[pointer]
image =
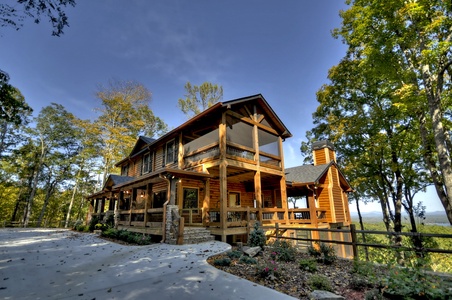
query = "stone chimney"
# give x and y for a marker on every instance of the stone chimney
(323, 152)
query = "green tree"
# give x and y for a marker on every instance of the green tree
(200, 98)
(52, 144)
(13, 15)
(13, 107)
(409, 44)
(376, 141)
(125, 114)
(84, 162)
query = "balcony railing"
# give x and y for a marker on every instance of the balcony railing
(233, 151)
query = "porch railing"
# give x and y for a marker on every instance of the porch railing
(240, 217)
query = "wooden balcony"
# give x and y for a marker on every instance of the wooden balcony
(233, 151)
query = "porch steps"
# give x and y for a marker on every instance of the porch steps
(195, 235)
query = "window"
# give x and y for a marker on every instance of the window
(190, 198)
(146, 166)
(234, 200)
(125, 170)
(171, 152)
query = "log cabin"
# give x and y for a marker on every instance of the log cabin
(220, 172)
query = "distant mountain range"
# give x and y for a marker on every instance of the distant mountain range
(432, 217)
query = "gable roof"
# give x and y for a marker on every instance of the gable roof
(138, 148)
(207, 114)
(114, 179)
(310, 174)
(306, 173)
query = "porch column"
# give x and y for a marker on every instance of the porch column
(282, 184)
(223, 177)
(173, 184)
(147, 200)
(116, 210)
(206, 203)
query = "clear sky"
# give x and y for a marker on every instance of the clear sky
(281, 49)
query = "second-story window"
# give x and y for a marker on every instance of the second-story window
(125, 170)
(146, 166)
(171, 152)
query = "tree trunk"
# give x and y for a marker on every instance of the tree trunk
(34, 185)
(361, 224)
(49, 192)
(431, 165)
(68, 216)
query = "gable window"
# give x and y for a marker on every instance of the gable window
(146, 165)
(190, 198)
(125, 170)
(171, 152)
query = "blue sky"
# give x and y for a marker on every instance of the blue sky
(281, 49)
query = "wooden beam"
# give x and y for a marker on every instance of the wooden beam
(252, 122)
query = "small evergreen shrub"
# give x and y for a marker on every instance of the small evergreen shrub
(248, 260)
(234, 254)
(320, 282)
(308, 265)
(222, 262)
(325, 254)
(283, 251)
(257, 236)
(110, 233)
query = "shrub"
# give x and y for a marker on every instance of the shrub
(234, 254)
(110, 233)
(324, 254)
(93, 222)
(77, 224)
(110, 222)
(359, 282)
(308, 265)
(248, 260)
(320, 282)
(223, 262)
(100, 226)
(257, 236)
(268, 269)
(374, 294)
(283, 251)
(414, 283)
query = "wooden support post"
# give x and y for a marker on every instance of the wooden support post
(354, 241)
(180, 236)
(277, 231)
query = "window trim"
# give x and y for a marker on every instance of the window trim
(174, 152)
(148, 165)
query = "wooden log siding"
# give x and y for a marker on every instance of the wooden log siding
(319, 157)
(159, 159)
(324, 203)
(337, 196)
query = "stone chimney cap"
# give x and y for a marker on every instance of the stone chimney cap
(322, 144)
